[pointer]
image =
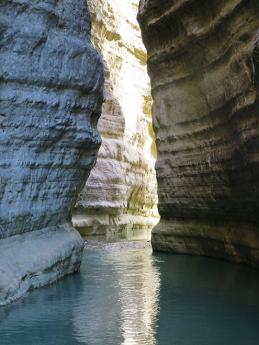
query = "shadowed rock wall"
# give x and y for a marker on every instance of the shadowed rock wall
(203, 65)
(120, 196)
(50, 98)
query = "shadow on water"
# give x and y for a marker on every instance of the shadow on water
(207, 302)
(129, 296)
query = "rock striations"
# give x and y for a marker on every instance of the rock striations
(203, 62)
(50, 99)
(120, 197)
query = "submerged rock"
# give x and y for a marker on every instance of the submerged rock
(51, 95)
(120, 195)
(203, 64)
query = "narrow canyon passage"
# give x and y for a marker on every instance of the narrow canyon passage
(129, 134)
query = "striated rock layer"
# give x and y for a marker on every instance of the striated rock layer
(120, 196)
(203, 64)
(50, 97)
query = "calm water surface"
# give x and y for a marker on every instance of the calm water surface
(129, 296)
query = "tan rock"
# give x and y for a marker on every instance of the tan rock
(203, 65)
(120, 196)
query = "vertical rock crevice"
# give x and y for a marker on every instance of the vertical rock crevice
(202, 61)
(120, 196)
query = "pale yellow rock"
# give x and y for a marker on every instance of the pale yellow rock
(120, 196)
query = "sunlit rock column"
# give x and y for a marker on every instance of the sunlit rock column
(120, 196)
(50, 98)
(203, 65)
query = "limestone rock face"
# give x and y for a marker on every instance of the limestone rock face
(50, 98)
(203, 64)
(120, 195)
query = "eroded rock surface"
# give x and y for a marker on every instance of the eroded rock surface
(51, 93)
(120, 195)
(203, 64)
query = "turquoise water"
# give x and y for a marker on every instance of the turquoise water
(129, 296)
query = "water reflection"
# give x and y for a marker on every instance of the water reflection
(127, 292)
(42, 318)
(131, 297)
(138, 286)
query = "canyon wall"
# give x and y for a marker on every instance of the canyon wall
(203, 61)
(120, 196)
(50, 99)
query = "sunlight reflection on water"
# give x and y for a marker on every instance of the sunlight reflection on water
(130, 308)
(130, 297)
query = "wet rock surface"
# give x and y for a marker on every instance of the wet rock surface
(50, 99)
(203, 64)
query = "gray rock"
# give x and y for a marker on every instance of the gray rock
(51, 93)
